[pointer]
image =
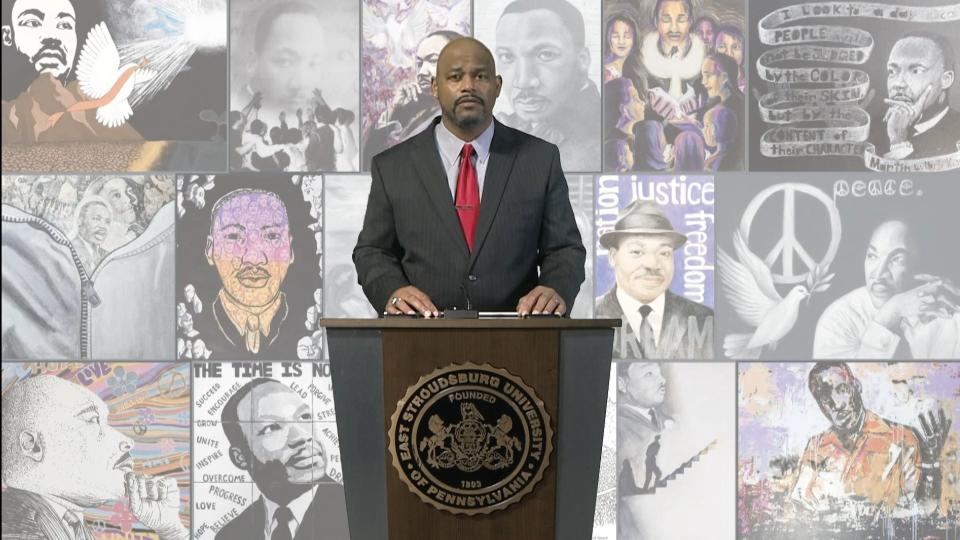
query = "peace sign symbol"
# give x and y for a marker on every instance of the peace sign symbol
(788, 245)
(172, 385)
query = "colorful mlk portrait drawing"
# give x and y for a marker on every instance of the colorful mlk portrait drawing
(855, 86)
(673, 83)
(401, 45)
(848, 450)
(87, 267)
(104, 85)
(294, 85)
(96, 450)
(654, 264)
(250, 273)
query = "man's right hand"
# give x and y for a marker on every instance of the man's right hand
(406, 93)
(919, 302)
(411, 300)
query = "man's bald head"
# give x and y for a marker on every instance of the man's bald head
(462, 44)
(51, 425)
(467, 87)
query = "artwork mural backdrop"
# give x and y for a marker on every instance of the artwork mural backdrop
(759, 186)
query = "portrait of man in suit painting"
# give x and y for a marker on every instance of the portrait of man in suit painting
(657, 322)
(273, 437)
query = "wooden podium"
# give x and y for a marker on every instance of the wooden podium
(375, 361)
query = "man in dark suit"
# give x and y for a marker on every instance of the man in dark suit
(920, 122)
(271, 434)
(657, 323)
(61, 456)
(431, 239)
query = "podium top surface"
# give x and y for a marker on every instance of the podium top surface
(426, 324)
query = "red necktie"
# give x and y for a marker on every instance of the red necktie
(468, 195)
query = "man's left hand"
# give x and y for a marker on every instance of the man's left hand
(155, 502)
(902, 115)
(541, 300)
(933, 435)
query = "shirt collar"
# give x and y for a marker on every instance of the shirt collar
(640, 410)
(872, 425)
(450, 145)
(238, 314)
(298, 507)
(632, 305)
(926, 125)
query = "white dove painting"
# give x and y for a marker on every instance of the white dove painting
(747, 283)
(108, 84)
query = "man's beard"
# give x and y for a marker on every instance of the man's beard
(467, 122)
(50, 50)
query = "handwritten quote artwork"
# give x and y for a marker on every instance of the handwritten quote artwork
(838, 87)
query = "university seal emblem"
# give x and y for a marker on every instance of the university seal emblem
(470, 439)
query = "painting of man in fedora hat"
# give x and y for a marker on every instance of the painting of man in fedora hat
(657, 323)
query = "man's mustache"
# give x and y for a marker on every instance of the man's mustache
(468, 98)
(527, 94)
(50, 48)
(902, 96)
(253, 272)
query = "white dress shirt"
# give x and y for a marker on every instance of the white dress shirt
(298, 507)
(450, 147)
(847, 330)
(631, 310)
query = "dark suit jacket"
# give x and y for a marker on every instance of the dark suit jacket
(221, 336)
(676, 340)
(939, 140)
(28, 516)
(326, 518)
(411, 233)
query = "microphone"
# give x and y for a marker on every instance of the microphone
(468, 313)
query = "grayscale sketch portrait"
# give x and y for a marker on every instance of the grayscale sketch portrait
(267, 463)
(111, 85)
(294, 85)
(855, 86)
(843, 267)
(96, 450)
(87, 267)
(548, 53)
(675, 431)
(402, 43)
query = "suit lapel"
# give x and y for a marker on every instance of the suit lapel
(434, 179)
(673, 329)
(326, 517)
(502, 155)
(259, 510)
